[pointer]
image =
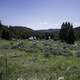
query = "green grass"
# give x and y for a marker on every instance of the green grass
(30, 63)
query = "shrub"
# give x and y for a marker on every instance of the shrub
(77, 53)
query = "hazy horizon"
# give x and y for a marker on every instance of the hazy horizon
(40, 14)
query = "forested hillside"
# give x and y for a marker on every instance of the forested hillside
(23, 32)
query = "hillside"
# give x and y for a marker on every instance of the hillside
(23, 32)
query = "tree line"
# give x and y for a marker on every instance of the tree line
(20, 32)
(65, 34)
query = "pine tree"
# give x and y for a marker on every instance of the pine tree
(62, 32)
(66, 33)
(5, 35)
(70, 35)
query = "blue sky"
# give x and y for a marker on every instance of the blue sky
(40, 14)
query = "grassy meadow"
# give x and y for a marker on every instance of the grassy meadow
(39, 60)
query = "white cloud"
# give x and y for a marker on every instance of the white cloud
(43, 23)
(76, 24)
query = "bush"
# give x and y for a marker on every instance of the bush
(77, 53)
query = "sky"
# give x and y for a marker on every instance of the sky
(40, 14)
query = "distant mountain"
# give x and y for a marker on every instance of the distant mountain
(49, 30)
(77, 28)
(77, 33)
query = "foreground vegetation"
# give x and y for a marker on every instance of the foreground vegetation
(39, 60)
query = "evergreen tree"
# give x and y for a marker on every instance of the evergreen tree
(62, 32)
(70, 35)
(5, 35)
(66, 33)
(51, 36)
(46, 36)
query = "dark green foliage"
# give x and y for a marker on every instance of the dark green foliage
(19, 32)
(5, 34)
(2, 27)
(63, 32)
(51, 36)
(4, 31)
(77, 33)
(66, 33)
(71, 37)
(15, 32)
(46, 36)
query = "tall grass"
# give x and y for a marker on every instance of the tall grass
(28, 60)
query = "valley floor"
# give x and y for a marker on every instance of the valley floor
(39, 60)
